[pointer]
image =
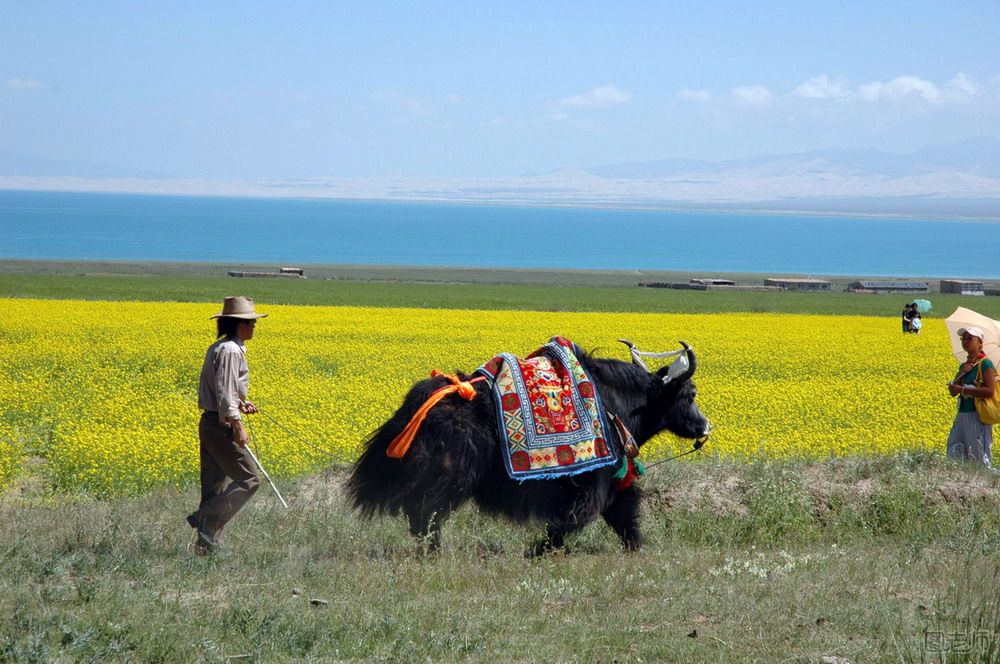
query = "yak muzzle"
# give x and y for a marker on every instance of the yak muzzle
(705, 435)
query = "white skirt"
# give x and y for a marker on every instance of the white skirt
(971, 440)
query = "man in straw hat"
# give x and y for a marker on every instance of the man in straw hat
(229, 476)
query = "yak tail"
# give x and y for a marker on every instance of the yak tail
(378, 482)
(443, 462)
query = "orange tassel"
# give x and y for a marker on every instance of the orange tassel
(400, 445)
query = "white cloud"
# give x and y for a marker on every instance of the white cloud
(752, 95)
(823, 87)
(558, 115)
(404, 103)
(607, 95)
(900, 87)
(23, 84)
(961, 89)
(694, 95)
(453, 98)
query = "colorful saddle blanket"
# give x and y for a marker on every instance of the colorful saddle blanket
(549, 414)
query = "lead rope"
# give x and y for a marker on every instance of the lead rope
(631, 448)
(698, 444)
(294, 434)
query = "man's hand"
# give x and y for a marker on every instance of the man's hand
(240, 434)
(247, 408)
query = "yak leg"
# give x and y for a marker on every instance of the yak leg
(426, 516)
(425, 525)
(555, 538)
(623, 516)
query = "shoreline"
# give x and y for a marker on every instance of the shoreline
(822, 207)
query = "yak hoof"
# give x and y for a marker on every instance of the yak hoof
(544, 547)
(429, 543)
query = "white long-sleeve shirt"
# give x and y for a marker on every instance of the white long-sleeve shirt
(225, 379)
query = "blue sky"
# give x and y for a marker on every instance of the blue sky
(302, 89)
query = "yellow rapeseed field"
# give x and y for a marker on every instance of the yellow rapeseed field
(106, 391)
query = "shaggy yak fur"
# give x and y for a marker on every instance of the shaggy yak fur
(456, 456)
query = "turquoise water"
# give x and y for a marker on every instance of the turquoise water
(72, 226)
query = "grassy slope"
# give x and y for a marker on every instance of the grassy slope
(851, 558)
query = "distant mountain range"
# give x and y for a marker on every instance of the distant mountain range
(962, 179)
(977, 156)
(12, 164)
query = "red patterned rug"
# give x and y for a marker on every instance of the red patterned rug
(549, 413)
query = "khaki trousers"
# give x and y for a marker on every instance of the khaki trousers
(228, 474)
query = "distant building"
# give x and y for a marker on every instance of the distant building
(287, 272)
(714, 282)
(708, 285)
(798, 284)
(888, 287)
(962, 287)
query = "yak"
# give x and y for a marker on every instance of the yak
(456, 455)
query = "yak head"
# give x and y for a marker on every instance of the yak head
(673, 399)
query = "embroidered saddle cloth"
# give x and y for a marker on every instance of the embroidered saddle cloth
(549, 414)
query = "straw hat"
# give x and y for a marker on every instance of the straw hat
(238, 306)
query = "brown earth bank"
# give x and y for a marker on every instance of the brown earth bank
(923, 483)
(827, 486)
(718, 487)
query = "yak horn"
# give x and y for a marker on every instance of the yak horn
(634, 352)
(692, 361)
(683, 367)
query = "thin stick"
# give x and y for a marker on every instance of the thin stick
(264, 473)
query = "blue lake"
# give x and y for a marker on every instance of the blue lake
(75, 226)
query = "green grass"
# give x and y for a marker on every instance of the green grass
(859, 559)
(442, 288)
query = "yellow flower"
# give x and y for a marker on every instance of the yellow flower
(112, 404)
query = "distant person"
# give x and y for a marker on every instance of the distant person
(915, 323)
(229, 476)
(908, 312)
(970, 439)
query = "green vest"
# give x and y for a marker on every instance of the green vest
(967, 404)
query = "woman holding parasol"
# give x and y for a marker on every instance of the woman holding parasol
(970, 439)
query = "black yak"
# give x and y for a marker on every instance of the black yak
(456, 455)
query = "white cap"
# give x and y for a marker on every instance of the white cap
(971, 331)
